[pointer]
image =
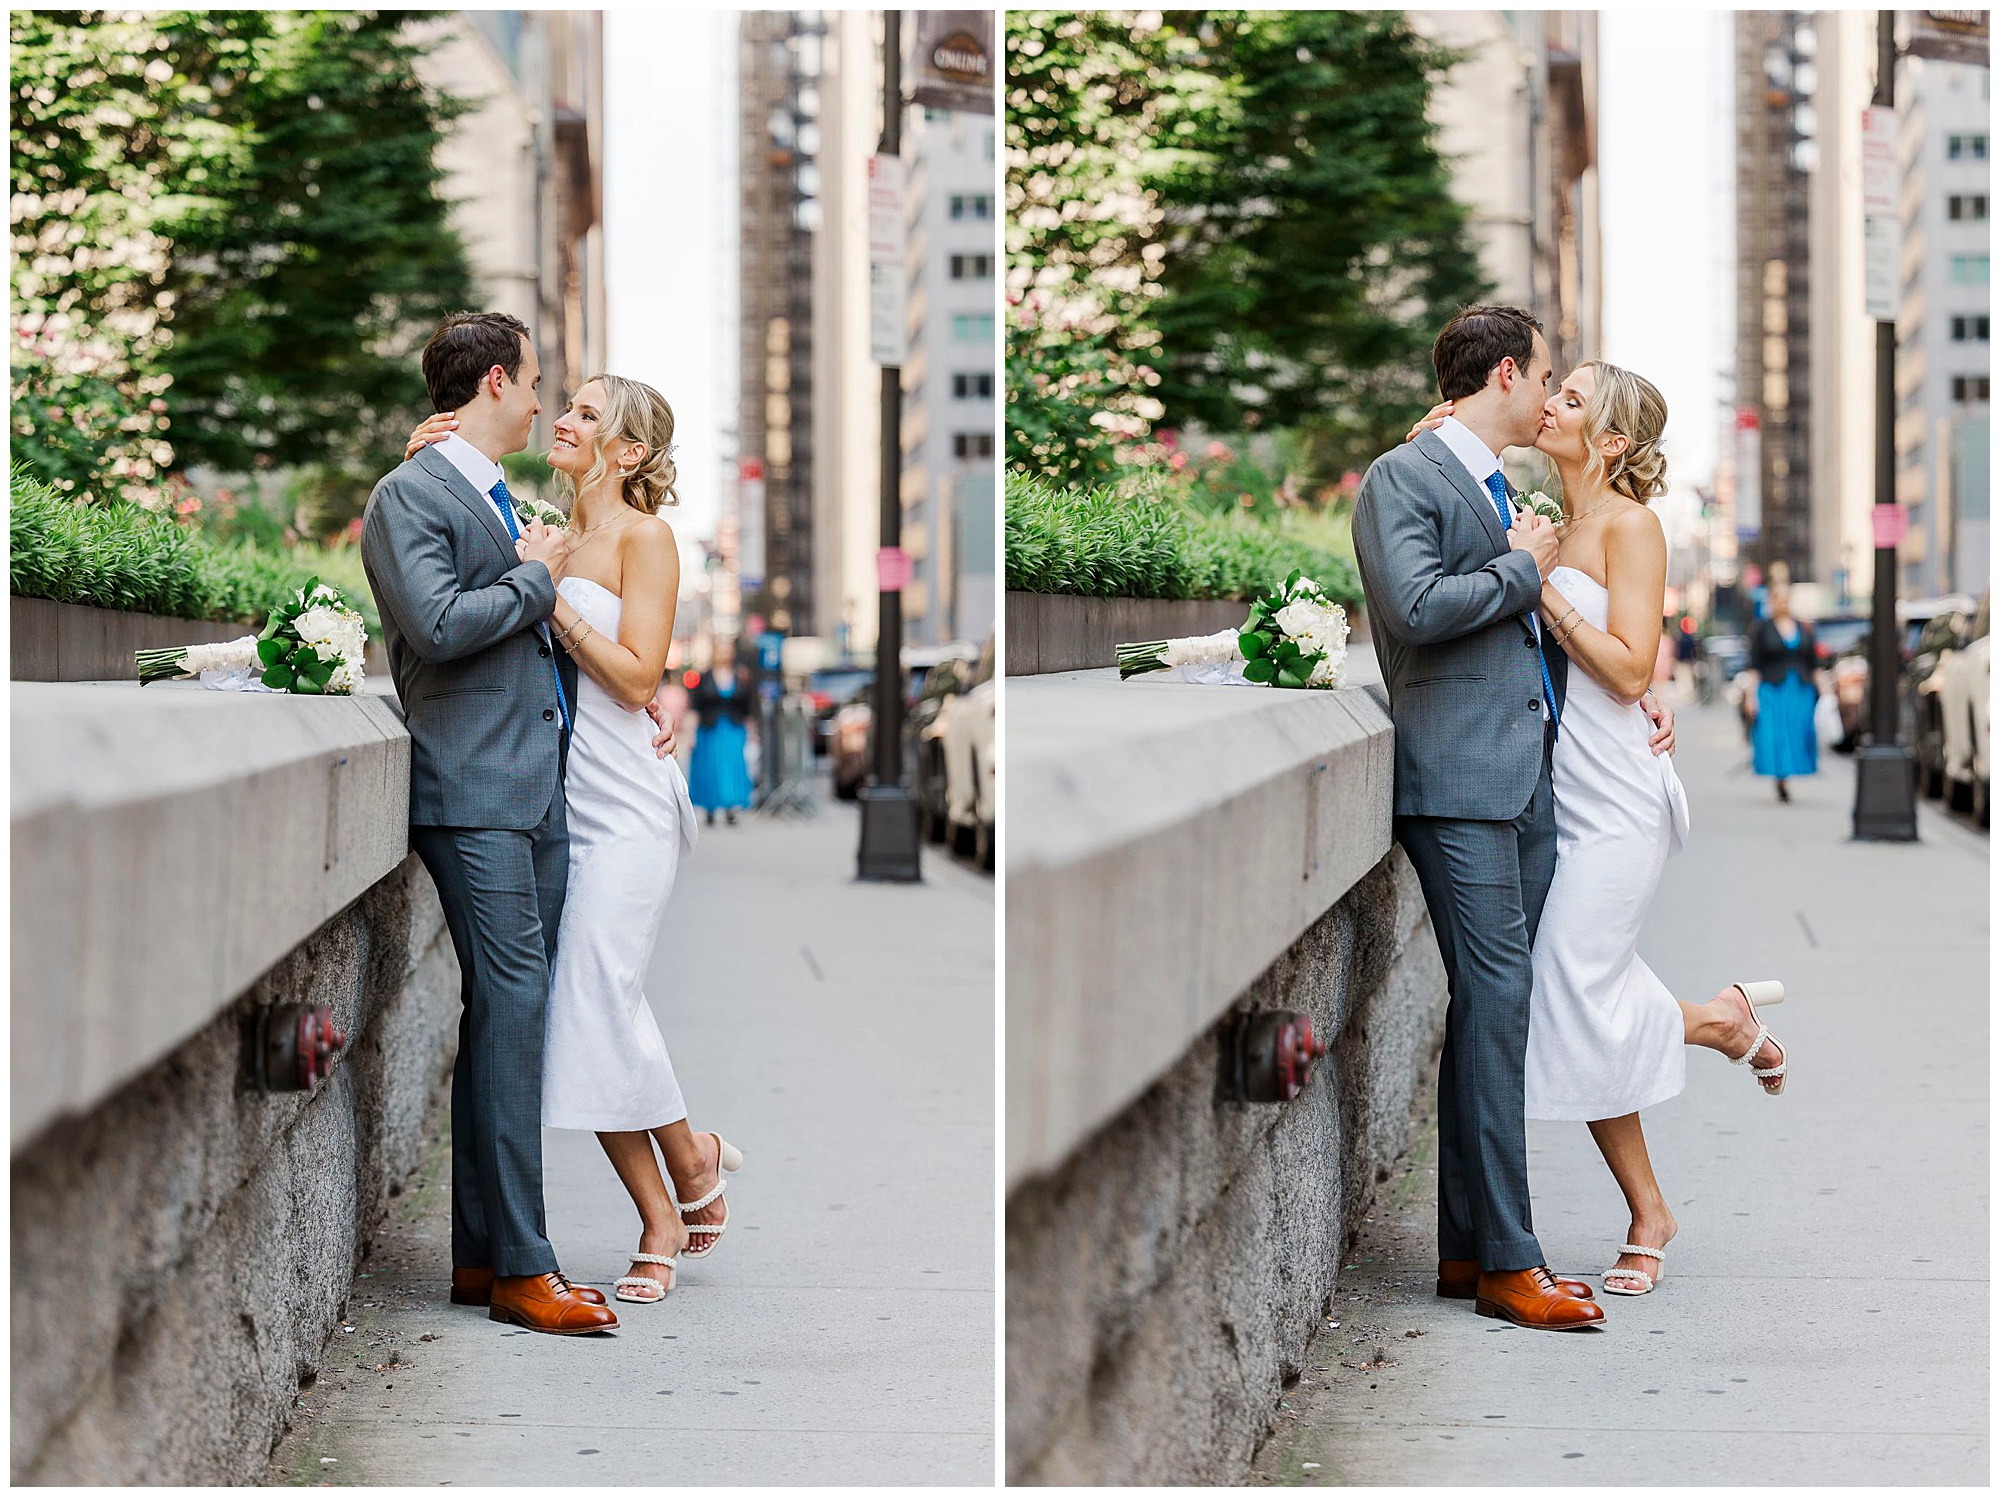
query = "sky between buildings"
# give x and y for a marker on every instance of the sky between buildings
(670, 139)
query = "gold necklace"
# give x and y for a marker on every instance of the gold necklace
(1572, 524)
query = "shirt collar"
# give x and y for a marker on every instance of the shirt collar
(480, 470)
(1476, 456)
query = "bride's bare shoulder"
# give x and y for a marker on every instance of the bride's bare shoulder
(1636, 525)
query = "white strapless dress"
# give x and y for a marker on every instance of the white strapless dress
(1604, 1034)
(605, 1067)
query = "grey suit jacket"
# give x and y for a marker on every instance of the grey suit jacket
(459, 615)
(1448, 610)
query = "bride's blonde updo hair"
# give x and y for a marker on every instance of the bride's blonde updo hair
(641, 414)
(1625, 405)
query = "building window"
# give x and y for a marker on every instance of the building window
(1965, 388)
(972, 267)
(972, 444)
(1970, 329)
(1971, 207)
(977, 327)
(1970, 270)
(975, 205)
(972, 387)
(1965, 147)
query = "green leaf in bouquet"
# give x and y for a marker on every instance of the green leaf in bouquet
(305, 685)
(272, 625)
(279, 677)
(1293, 678)
(1291, 581)
(270, 652)
(1261, 671)
(1253, 643)
(319, 672)
(1287, 652)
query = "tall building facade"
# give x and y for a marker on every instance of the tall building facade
(1944, 329)
(525, 171)
(1518, 120)
(1777, 151)
(950, 375)
(780, 58)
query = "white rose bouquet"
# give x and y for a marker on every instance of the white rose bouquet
(313, 645)
(1296, 636)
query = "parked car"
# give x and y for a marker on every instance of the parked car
(1848, 655)
(1723, 657)
(926, 737)
(929, 671)
(1923, 717)
(966, 729)
(832, 688)
(1963, 680)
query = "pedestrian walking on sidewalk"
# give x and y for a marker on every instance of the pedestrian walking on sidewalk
(1784, 660)
(631, 822)
(1606, 1038)
(719, 772)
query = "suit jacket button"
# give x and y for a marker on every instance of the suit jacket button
(548, 714)
(1530, 643)
(543, 651)
(1534, 705)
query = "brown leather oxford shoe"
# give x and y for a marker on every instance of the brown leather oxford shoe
(1458, 1278)
(474, 1286)
(546, 1302)
(1530, 1297)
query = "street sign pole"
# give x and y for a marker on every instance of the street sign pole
(891, 837)
(1885, 780)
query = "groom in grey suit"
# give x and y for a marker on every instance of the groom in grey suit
(1453, 572)
(465, 592)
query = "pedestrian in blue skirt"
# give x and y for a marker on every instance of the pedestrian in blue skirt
(1785, 657)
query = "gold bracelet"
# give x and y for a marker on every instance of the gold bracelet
(562, 635)
(574, 645)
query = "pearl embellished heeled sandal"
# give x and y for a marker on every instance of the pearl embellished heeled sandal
(1629, 1276)
(638, 1289)
(1764, 995)
(728, 1158)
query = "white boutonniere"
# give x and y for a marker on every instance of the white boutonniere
(1541, 504)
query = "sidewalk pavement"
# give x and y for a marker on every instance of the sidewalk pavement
(1823, 1315)
(841, 1035)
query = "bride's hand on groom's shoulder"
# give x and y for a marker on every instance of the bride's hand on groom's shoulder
(1432, 421)
(435, 429)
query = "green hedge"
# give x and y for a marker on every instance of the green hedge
(121, 556)
(1097, 543)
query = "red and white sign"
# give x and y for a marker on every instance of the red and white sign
(1892, 523)
(893, 569)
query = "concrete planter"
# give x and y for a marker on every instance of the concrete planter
(73, 642)
(1055, 632)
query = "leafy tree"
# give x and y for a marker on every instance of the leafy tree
(1226, 219)
(226, 224)
(1312, 243)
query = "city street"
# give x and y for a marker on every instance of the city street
(1824, 1311)
(840, 1034)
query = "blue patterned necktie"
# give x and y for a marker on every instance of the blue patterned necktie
(505, 501)
(1496, 485)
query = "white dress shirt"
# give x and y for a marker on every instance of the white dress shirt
(482, 472)
(1482, 463)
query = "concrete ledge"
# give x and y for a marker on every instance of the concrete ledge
(1049, 632)
(1165, 844)
(73, 642)
(170, 845)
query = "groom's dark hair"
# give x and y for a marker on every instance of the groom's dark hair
(464, 347)
(1475, 341)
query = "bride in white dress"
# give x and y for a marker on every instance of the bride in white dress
(1605, 1036)
(605, 1067)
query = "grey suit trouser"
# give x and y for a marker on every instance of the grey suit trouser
(1486, 883)
(502, 893)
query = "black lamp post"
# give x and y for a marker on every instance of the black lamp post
(1885, 779)
(891, 837)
